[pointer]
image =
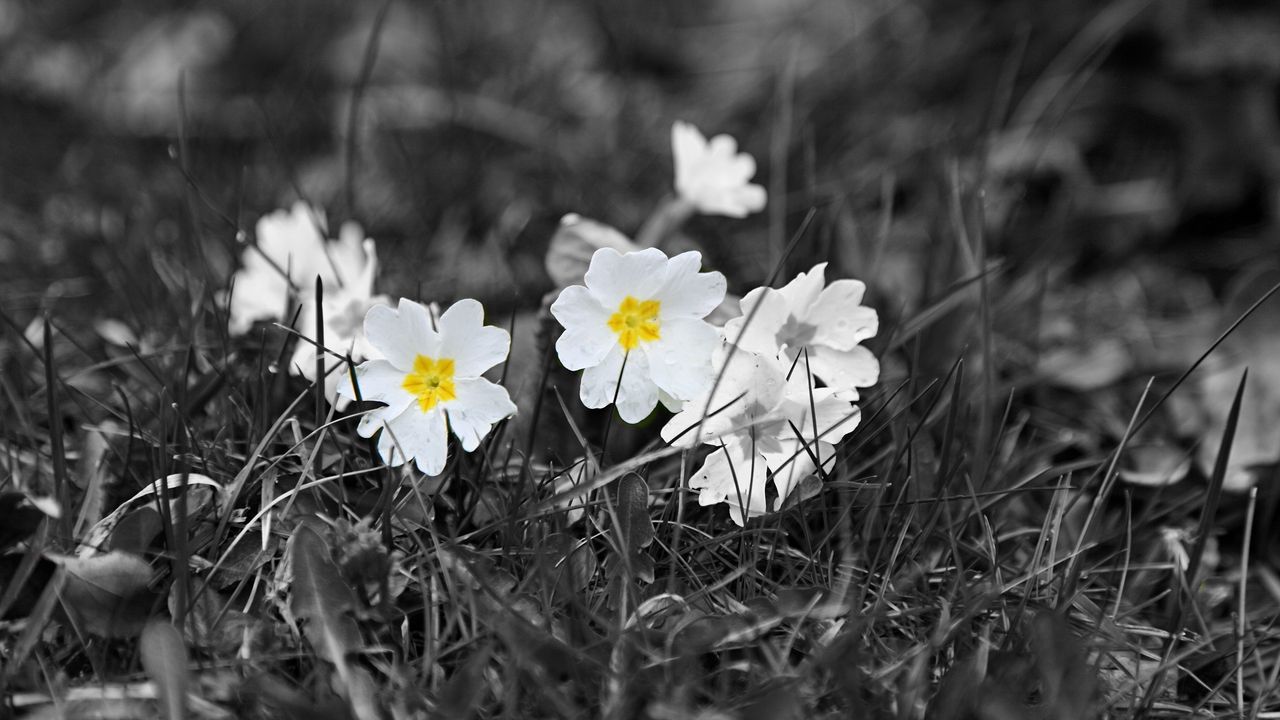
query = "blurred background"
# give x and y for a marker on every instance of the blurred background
(1118, 160)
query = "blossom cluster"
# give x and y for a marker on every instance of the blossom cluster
(771, 390)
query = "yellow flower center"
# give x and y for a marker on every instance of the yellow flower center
(635, 322)
(431, 381)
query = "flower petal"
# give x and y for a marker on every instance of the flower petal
(749, 388)
(804, 289)
(417, 435)
(764, 313)
(402, 334)
(688, 149)
(841, 320)
(586, 338)
(736, 475)
(794, 462)
(613, 276)
(635, 399)
(844, 369)
(474, 346)
(479, 406)
(685, 292)
(680, 359)
(379, 381)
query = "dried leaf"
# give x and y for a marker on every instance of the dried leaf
(573, 244)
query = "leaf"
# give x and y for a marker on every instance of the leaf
(107, 595)
(462, 694)
(164, 657)
(635, 527)
(321, 597)
(1154, 465)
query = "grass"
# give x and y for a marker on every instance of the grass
(975, 553)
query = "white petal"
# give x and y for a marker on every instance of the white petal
(735, 475)
(685, 292)
(479, 406)
(257, 293)
(402, 334)
(794, 462)
(750, 387)
(840, 320)
(680, 359)
(473, 346)
(804, 289)
(294, 242)
(765, 312)
(638, 395)
(417, 435)
(688, 149)
(380, 381)
(844, 369)
(586, 338)
(613, 276)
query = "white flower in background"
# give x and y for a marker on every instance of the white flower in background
(291, 253)
(764, 426)
(430, 381)
(828, 321)
(713, 176)
(345, 307)
(643, 312)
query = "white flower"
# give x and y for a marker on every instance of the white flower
(430, 381)
(639, 318)
(713, 176)
(345, 307)
(829, 322)
(763, 423)
(290, 252)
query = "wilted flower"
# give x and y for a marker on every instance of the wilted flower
(639, 320)
(768, 426)
(713, 176)
(828, 322)
(430, 381)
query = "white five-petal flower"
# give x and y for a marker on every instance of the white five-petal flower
(826, 323)
(713, 176)
(430, 379)
(636, 329)
(768, 426)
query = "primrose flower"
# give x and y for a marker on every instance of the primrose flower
(291, 251)
(345, 307)
(636, 329)
(713, 176)
(827, 321)
(430, 380)
(768, 426)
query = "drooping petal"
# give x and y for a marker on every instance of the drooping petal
(844, 369)
(417, 435)
(680, 359)
(686, 292)
(479, 406)
(840, 320)
(764, 314)
(638, 395)
(474, 346)
(736, 475)
(613, 276)
(586, 338)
